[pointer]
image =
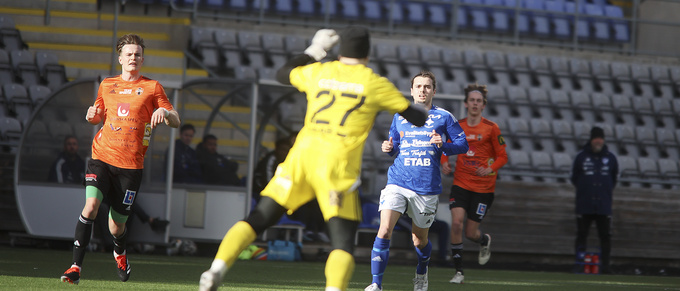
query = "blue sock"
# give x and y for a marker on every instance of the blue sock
(423, 258)
(379, 256)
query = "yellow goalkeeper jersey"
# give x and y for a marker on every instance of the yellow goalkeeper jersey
(342, 102)
(325, 161)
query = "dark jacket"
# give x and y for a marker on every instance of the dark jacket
(217, 169)
(594, 175)
(68, 169)
(186, 168)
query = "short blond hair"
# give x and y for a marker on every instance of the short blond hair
(129, 39)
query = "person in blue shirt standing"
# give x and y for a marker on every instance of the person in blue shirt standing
(414, 180)
(594, 175)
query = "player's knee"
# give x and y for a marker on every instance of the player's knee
(266, 213)
(385, 233)
(457, 226)
(342, 233)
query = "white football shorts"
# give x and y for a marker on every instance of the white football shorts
(421, 208)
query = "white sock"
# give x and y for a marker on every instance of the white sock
(219, 266)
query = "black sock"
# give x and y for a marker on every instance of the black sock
(457, 255)
(484, 240)
(120, 242)
(81, 239)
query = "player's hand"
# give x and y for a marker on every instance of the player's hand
(323, 40)
(436, 138)
(92, 111)
(158, 117)
(483, 171)
(387, 145)
(446, 168)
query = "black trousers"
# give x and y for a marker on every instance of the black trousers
(603, 224)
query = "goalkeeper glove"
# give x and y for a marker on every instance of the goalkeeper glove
(323, 40)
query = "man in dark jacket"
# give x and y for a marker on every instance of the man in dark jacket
(69, 167)
(594, 175)
(216, 168)
(186, 167)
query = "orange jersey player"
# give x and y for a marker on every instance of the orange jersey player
(129, 106)
(474, 180)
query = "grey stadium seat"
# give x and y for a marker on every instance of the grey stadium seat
(518, 162)
(560, 67)
(6, 70)
(227, 42)
(51, 71)
(540, 101)
(203, 43)
(251, 46)
(623, 107)
(562, 105)
(664, 114)
(640, 74)
(646, 140)
(644, 111)
(38, 93)
(582, 108)
(660, 74)
(601, 71)
(602, 105)
(10, 129)
(275, 49)
(621, 75)
(520, 69)
(541, 162)
(24, 66)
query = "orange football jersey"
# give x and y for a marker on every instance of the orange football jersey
(487, 148)
(126, 130)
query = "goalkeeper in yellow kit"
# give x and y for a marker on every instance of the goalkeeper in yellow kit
(343, 98)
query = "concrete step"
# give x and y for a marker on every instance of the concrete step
(84, 36)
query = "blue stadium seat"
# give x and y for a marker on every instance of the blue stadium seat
(415, 12)
(620, 25)
(261, 5)
(560, 22)
(395, 11)
(499, 16)
(284, 7)
(438, 14)
(582, 29)
(521, 20)
(329, 7)
(540, 20)
(372, 10)
(239, 5)
(306, 7)
(600, 25)
(479, 20)
(350, 9)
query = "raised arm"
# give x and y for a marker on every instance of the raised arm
(323, 40)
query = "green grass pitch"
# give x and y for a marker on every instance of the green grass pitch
(39, 269)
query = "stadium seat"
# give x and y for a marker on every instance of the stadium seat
(519, 101)
(519, 68)
(51, 71)
(307, 7)
(620, 24)
(408, 55)
(648, 168)
(582, 107)
(10, 36)
(545, 140)
(561, 105)
(479, 19)
(500, 20)
(453, 60)
(251, 46)
(24, 66)
(621, 75)
(627, 167)
(580, 71)
(438, 15)
(6, 70)
(203, 43)
(599, 25)
(668, 170)
(415, 12)
(602, 105)
(387, 57)
(541, 162)
(350, 9)
(582, 27)
(245, 73)
(560, 69)
(328, 7)
(623, 108)
(541, 106)
(582, 131)
(283, 7)
(660, 75)
(564, 135)
(227, 42)
(562, 163)
(499, 70)
(518, 163)
(275, 49)
(646, 141)
(294, 44)
(261, 5)
(10, 129)
(540, 69)
(519, 18)
(239, 5)
(539, 19)
(372, 10)
(395, 11)
(38, 94)
(521, 134)
(664, 114)
(474, 63)
(642, 80)
(645, 114)
(600, 70)
(559, 21)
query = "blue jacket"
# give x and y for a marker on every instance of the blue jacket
(416, 166)
(594, 176)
